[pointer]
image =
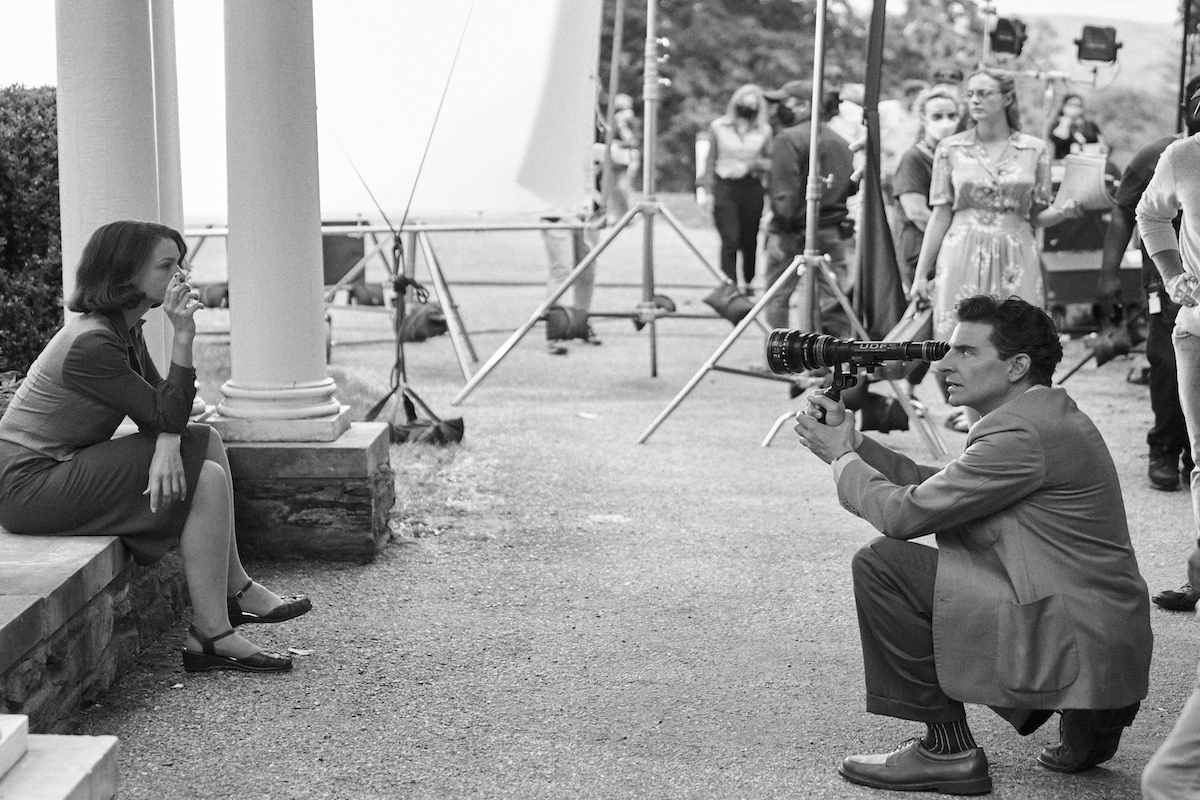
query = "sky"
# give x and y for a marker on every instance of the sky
(381, 68)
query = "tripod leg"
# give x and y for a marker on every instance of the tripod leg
(720, 276)
(458, 334)
(411, 395)
(796, 264)
(775, 428)
(937, 448)
(540, 312)
(827, 273)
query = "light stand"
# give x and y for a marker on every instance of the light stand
(809, 265)
(648, 310)
(812, 266)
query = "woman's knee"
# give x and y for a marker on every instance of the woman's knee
(211, 483)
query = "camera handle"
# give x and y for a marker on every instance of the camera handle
(841, 381)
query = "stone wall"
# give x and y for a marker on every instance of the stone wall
(345, 520)
(69, 670)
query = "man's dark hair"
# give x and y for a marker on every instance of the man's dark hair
(1017, 327)
(110, 263)
(1191, 106)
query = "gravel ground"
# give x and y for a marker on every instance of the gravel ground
(565, 613)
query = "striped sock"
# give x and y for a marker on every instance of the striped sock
(946, 738)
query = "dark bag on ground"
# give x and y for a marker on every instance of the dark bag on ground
(727, 301)
(566, 322)
(421, 321)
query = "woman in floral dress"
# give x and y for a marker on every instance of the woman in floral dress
(990, 190)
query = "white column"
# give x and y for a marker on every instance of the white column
(158, 330)
(107, 168)
(279, 389)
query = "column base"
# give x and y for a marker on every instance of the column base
(314, 500)
(315, 429)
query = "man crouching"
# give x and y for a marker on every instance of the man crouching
(1032, 601)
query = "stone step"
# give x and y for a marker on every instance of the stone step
(64, 768)
(14, 736)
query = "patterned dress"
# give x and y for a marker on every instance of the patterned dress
(990, 246)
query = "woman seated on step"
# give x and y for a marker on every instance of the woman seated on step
(62, 473)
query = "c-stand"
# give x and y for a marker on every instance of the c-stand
(649, 310)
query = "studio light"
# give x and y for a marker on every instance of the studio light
(1008, 36)
(1098, 44)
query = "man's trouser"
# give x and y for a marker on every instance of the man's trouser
(782, 248)
(565, 248)
(1169, 432)
(893, 590)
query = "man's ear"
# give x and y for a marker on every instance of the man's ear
(1019, 369)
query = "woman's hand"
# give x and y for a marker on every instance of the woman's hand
(180, 304)
(1071, 209)
(920, 288)
(167, 482)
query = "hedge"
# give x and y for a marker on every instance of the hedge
(30, 239)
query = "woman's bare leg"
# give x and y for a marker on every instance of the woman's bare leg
(205, 549)
(257, 599)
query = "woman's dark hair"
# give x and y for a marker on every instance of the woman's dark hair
(110, 262)
(1017, 327)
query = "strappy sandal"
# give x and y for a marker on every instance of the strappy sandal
(290, 608)
(261, 661)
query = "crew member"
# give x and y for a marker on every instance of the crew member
(789, 210)
(1032, 601)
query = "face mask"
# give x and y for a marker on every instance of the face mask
(940, 128)
(746, 112)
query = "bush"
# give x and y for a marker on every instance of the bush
(30, 310)
(30, 241)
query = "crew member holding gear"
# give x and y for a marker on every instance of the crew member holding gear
(1032, 601)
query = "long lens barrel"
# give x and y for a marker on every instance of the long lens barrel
(792, 351)
(898, 351)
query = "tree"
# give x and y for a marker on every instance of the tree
(30, 242)
(718, 45)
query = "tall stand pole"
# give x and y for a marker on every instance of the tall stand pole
(1183, 63)
(809, 312)
(650, 96)
(614, 84)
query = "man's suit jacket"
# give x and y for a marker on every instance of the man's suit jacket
(1038, 601)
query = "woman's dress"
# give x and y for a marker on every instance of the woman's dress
(62, 473)
(990, 246)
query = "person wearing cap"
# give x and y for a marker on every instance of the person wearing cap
(789, 208)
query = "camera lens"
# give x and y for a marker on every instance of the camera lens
(790, 352)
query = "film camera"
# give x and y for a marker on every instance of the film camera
(790, 352)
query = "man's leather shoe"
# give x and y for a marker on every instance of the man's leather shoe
(1163, 470)
(1087, 738)
(912, 768)
(1182, 599)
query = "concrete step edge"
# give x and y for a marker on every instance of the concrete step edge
(64, 768)
(14, 740)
